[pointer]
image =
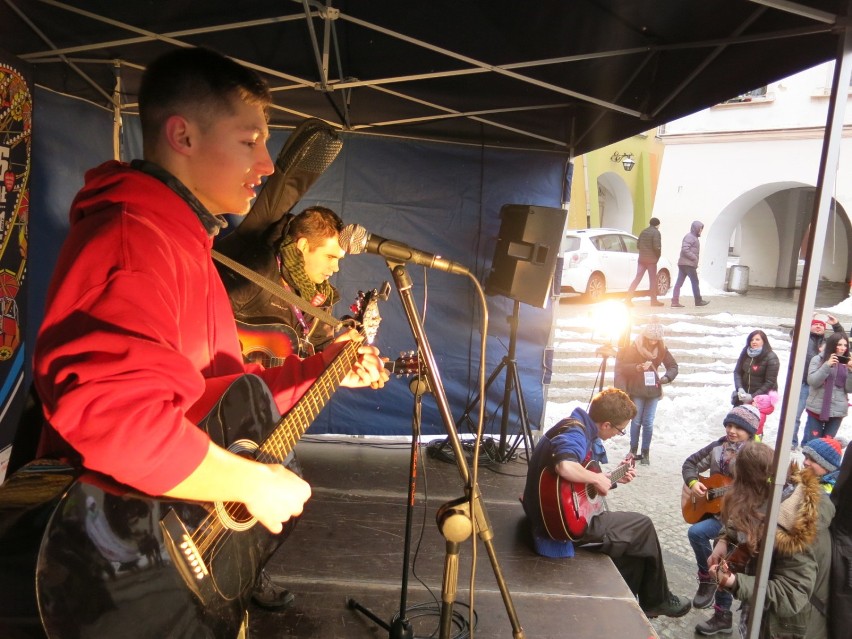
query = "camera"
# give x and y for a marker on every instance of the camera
(843, 359)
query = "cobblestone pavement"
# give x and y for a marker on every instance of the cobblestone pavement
(656, 490)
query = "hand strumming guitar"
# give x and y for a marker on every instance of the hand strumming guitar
(698, 489)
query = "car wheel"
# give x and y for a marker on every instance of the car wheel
(596, 288)
(664, 282)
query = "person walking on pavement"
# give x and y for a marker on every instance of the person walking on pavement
(636, 373)
(650, 247)
(687, 265)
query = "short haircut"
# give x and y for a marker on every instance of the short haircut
(197, 82)
(612, 405)
(316, 224)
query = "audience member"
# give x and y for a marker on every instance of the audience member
(636, 371)
(830, 382)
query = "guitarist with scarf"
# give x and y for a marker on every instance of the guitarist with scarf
(301, 254)
(630, 539)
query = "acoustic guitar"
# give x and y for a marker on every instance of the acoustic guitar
(84, 557)
(269, 344)
(697, 508)
(567, 507)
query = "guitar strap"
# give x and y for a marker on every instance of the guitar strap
(278, 290)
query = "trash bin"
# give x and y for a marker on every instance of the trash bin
(738, 279)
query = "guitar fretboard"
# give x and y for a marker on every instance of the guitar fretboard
(298, 419)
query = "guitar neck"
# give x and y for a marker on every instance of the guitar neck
(298, 419)
(620, 472)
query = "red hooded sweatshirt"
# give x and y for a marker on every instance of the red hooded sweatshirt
(137, 325)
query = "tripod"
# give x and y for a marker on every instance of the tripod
(512, 383)
(480, 524)
(604, 352)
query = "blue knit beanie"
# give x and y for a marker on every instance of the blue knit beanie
(825, 451)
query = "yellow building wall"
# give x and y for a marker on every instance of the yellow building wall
(641, 181)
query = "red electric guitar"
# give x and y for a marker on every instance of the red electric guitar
(568, 507)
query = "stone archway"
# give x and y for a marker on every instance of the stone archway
(765, 227)
(615, 202)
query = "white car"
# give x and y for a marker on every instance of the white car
(599, 261)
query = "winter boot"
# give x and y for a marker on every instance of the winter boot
(633, 451)
(706, 591)
(721, 621)
(646, 457)
(672, 606)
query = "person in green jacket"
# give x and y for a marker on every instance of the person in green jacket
(797, 589)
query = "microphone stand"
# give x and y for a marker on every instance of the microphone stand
(482, 526)
(400, 626)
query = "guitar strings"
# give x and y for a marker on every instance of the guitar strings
(211, 529)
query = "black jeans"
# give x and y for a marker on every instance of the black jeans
(630, 540)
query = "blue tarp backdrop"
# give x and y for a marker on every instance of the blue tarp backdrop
(440, 198)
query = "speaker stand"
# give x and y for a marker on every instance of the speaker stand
(512, 386)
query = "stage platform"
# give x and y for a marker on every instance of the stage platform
(350, 544)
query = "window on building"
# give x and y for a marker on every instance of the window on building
(749, 96)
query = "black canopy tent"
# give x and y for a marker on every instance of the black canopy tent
(554, 79)
(551, 75)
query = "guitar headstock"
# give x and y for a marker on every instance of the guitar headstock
(366, 310)
(404, 365)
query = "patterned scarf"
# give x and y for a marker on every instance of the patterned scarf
(293, 260)
(727, 457)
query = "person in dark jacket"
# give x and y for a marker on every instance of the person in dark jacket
(797, 588)
(687, 265)
(650, 248)
(636, 371)
(816, 340)
(719, 458)
(831, 382)
(302, 256)
(756, 371)
(840, 591)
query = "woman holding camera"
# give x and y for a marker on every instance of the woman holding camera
(829, 380)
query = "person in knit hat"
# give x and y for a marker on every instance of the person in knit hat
(718, 457)
(823, 457)
(766, 405)
(636, 373)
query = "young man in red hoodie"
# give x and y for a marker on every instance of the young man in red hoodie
(138, 324)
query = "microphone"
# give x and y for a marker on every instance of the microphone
(355, 239)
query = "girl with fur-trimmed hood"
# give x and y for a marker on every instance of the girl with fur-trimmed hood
(797, 589)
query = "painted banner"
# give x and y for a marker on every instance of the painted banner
(16, 117)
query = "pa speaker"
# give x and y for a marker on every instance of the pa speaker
(526, 252)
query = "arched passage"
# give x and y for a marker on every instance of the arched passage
(765, 228)
(615, 202)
